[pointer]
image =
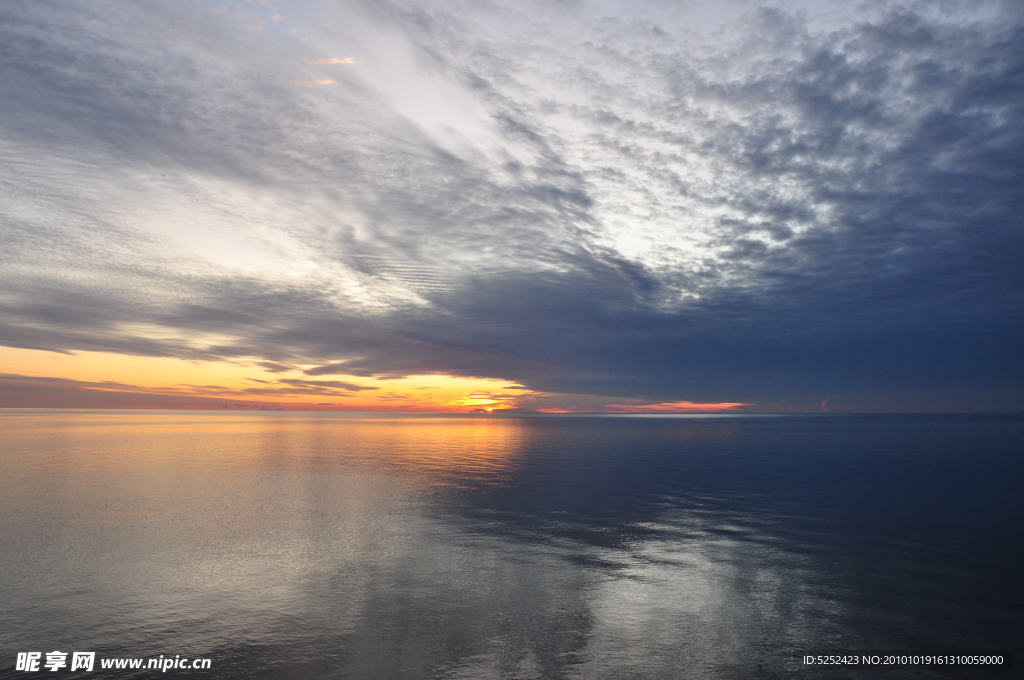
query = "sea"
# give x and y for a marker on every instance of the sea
(378, 546)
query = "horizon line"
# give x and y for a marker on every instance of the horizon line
(503, 413)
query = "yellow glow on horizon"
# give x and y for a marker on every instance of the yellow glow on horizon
(168, 382)
(484, 402)
(130, 369)
(246, 382)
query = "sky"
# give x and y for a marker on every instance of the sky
(556, 206)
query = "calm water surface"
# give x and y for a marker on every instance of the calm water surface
(307, 546)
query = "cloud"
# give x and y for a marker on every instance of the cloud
(675, 407)
(333, 60)
(19, 391)
(335, 384)
(622, 202)
(330, 369)
(274, 367)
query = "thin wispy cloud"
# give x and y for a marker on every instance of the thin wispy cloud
(333, 60)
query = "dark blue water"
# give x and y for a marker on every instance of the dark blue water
(302, 546)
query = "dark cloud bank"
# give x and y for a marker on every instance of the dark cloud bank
(836, 210)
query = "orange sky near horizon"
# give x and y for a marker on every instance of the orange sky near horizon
(44, 379)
